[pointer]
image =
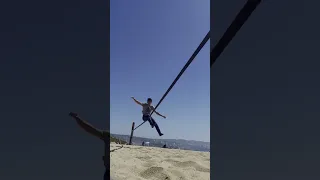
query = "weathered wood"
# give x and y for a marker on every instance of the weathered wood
(132, 129)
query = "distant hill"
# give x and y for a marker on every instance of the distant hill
(171, 143)
(117, 140)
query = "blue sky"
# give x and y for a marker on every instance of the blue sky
(150, 42)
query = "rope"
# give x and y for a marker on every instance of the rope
(232, 30)
(203, 42)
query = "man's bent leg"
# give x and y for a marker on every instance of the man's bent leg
(156, 125)
(148, 118)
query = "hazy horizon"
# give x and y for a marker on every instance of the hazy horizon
(160, 138)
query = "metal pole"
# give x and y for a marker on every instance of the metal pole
(132, 129)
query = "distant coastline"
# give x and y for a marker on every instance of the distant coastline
(170, 143)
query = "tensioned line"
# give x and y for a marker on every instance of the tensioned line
(203, 42)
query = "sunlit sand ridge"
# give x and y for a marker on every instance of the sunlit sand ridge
(140, 162)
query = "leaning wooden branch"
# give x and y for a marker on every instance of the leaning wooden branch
(90, 128)
(103, 135)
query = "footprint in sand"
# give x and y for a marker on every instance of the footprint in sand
(155, 172)
(179, 175)
(144, 151)
(137, 148)
(149, 164)
(186, 164)
(144, 158)
(178, 156)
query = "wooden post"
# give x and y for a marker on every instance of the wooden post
(130, 141)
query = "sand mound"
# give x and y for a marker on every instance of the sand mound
(140, 163)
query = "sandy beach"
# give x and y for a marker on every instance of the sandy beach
(140, 163)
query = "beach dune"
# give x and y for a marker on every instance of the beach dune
(140, 163)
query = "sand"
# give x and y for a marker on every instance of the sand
(140, 163)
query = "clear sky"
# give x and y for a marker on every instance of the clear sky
(150, 42)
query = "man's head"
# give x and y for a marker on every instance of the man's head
(149, 101)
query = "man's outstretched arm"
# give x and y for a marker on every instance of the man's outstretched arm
(87, 127)
(136, 101)
(159, 114)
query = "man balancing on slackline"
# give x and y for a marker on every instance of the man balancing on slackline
(146, 113)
